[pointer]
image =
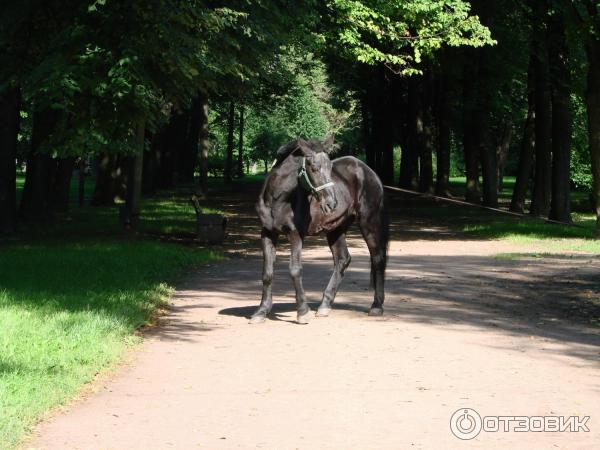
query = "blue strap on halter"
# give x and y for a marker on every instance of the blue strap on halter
(304, 178)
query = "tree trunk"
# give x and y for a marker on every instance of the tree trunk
(110, 180)
(409, 162)
(502, 149)
(181, 148)
(10, 105)
(470, 136)
(174, 138)
(560, 205)
(35, 202)
(134, 181)
(230, 143)
(202, 187)
(152, 158)
(368, 133)
(443, 142)
(195, 118)
(426, 130)
(61, 184)
(240, 155)
(540, 203)
(81, 182)
(384, 137)
(517, 203)
(593, 111)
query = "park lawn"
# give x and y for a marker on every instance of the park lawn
(532, 231)
(72, 295)
(551, 237)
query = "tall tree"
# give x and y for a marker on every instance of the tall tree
(562, 118)
(10, 102)
(240, 155)
(527, 145)
(230, 143)
(540, 202)
(442, 116)
(203, 148)
(471, 131)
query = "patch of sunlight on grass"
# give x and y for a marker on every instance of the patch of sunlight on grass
(68, 310)
(551, 237)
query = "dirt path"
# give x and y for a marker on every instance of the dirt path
(462, 328)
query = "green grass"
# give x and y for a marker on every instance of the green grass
(552, 237)
(528, 231)
(67, 310)
(72, 294)
(169, 212)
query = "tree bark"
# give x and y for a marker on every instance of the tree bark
(502, 149)
(367, 122)
(240, 155)
(35, 202)
(560, 205)
(470, 138)
(540, 203)
(193, 134)
(230, 143)
(202, 187)
(174, 139)
(517, 203)
(426, 129)
(61, 184)
(409, 160)
(593, 112)
(110, 180)
(134, 180)
(181, 148)
(384, 132)
(81, 182)
(443, 133)
(152, 158)
(10, 105)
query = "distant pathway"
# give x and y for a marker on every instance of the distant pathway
(462, 328)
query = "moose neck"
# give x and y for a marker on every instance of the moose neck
(285, 179)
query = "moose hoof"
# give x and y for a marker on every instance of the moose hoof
(323, 312)
(303, 318)
(258, 318)
(376, 312)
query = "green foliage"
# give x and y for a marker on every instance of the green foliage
(400, 33)
(581, 173)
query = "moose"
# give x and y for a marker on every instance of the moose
(306, 193)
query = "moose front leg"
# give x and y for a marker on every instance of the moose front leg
(341, 261)
(269, 241)
(296, 274)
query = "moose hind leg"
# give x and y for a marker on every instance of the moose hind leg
(341, 261)
(377, 271)
(269, 241)
(295, 239)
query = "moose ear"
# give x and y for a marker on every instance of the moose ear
(303, 148)
(329, 143)
(299, 147)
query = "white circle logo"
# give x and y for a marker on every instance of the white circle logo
(465, 423)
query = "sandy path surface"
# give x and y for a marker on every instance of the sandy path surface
(462, 328)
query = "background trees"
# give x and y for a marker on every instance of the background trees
(158, 93)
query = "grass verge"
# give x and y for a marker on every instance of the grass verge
(69, 310)
(72, 293)
(551, 237)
